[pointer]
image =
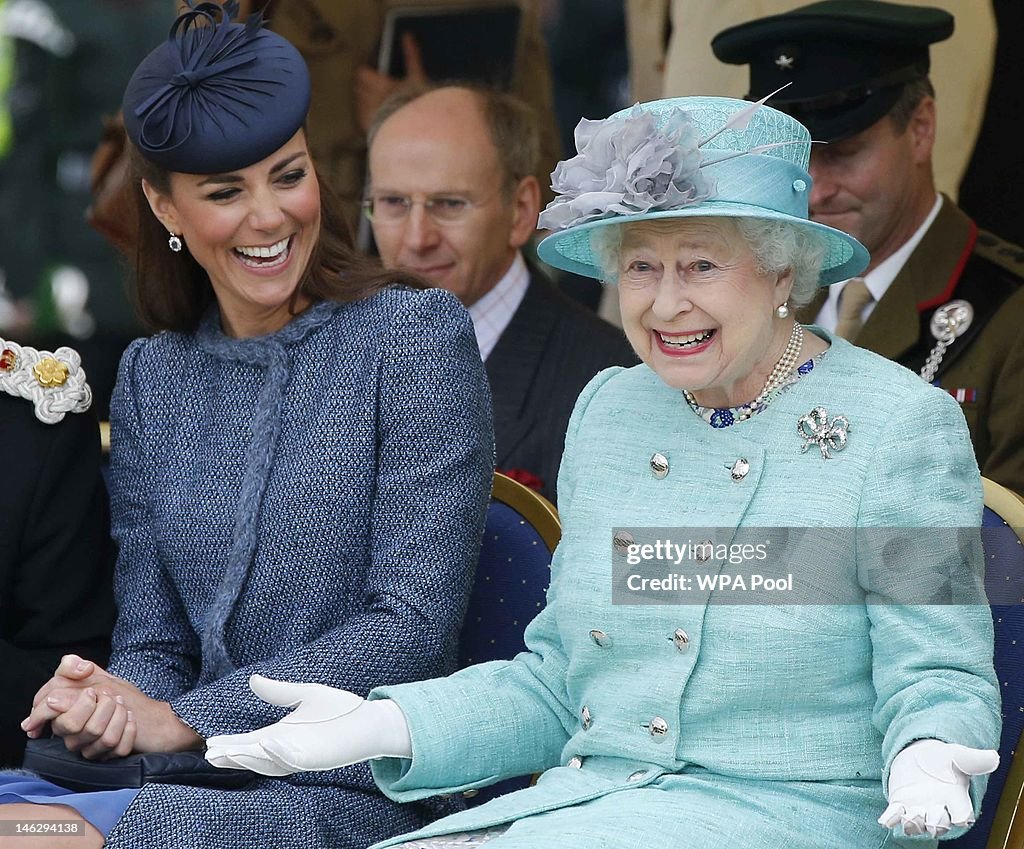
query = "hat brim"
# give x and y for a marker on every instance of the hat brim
(848, 119)
(570, 250)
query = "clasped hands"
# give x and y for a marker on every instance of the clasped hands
(102, 716)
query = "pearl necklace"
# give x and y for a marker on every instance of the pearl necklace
(724, 416)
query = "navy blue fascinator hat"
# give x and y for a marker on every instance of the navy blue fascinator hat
(217, 95)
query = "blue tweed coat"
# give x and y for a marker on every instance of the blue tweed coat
(780, 720)
(307, 505)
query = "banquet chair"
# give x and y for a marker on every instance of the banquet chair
(512, 574)
(1001, 823)
(512, 577)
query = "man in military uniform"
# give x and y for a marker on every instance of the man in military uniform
(56, 583)
(941, 296)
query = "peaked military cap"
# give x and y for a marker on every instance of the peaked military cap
(847, 61)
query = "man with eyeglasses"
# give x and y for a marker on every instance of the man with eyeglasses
(453, 198)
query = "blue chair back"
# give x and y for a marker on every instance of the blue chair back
(512, 575)
(1002, 524)
(512, 578)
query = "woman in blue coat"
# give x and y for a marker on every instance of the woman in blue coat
(301, 461)
(668, 697)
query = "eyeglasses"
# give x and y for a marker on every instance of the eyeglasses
(443, 209)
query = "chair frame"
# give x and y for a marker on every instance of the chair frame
(535, 510)
(531, 505)
(1008, 824)
(1008, 504)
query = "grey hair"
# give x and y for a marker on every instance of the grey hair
(606, 242)
(776, 245)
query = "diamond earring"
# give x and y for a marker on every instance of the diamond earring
(782, 310)
(174, 243)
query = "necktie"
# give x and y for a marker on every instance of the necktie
(852, 300)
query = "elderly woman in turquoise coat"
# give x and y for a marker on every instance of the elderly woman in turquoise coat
(865, 714)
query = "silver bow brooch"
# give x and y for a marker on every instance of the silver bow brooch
(817, 429)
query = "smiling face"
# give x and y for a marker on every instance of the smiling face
(696, 309)
(253, 232)
(439, 148)
(877, 185)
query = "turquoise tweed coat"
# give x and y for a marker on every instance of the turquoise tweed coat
(780, 721)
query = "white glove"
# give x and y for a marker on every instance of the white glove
(328, 729)
(929, 785)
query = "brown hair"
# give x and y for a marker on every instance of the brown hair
(512, 123)
(171, 291)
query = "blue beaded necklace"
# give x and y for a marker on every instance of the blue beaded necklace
(719, 417)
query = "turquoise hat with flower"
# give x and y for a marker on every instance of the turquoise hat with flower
(686, 157)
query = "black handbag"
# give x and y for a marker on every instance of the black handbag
(50, 759)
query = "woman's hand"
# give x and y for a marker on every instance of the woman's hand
(328, 729)
(90, 708)
(72, 676)
(73, 673)
(929, 786)
(99, 726)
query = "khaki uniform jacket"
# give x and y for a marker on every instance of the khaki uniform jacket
(984, 368)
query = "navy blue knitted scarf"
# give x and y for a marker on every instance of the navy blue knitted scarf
(270, 353)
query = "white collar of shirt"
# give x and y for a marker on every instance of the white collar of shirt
(880, 278)
(493, 312)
